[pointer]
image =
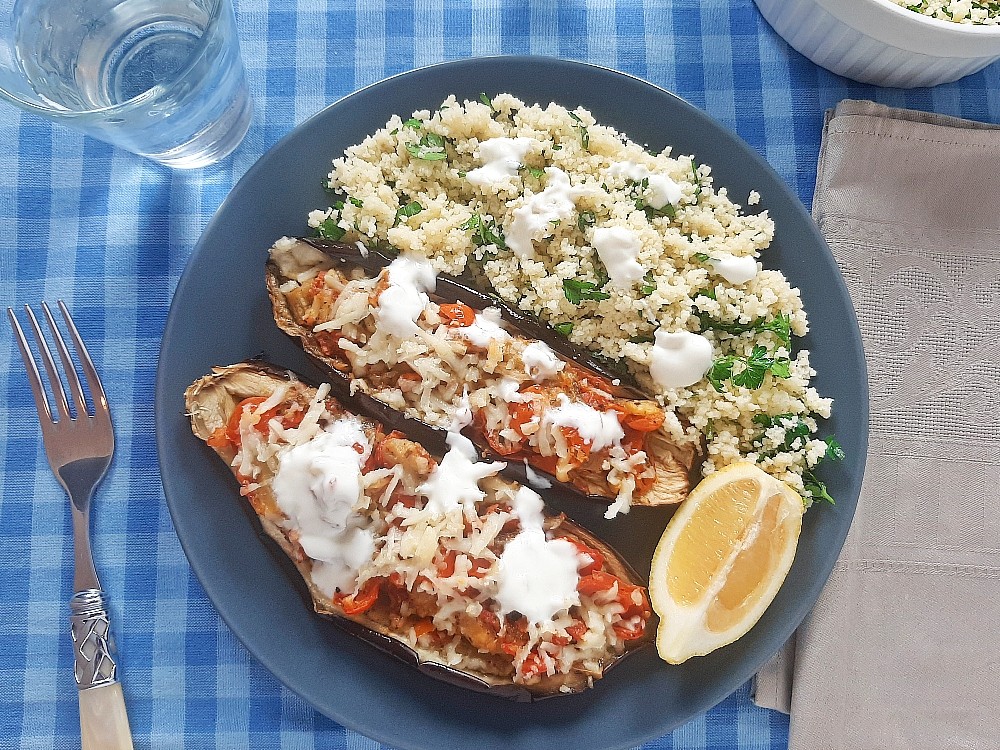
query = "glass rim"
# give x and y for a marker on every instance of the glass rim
(216, 9)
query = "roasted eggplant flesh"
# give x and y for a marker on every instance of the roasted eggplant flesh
(435, 559)
(535, 400)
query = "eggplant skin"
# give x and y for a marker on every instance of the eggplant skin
(211, 400)
(678, 467)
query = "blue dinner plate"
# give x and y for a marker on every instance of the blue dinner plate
(220, 314)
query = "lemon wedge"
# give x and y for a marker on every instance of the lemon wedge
(722, 559)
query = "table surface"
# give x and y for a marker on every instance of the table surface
(110, 234)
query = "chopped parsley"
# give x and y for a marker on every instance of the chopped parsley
(649, 284)
(703, 257)
(696, 179)
(751, 372)
(413, 123)
(330, 230)
(780, 325)
(410, 209)
(564, 328)
(484, 232)
(586, 219)
(584, 133)
(428, 148)
(646, 339)
(535, 172)
(577, 291)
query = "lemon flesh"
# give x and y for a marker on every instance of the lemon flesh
(722, 559)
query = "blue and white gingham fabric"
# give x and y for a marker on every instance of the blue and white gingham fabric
(110, 233)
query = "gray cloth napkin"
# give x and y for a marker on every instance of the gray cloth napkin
(903, 647)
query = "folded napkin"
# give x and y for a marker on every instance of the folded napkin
(903, 647)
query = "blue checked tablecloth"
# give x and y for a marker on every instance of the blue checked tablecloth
(110, 233)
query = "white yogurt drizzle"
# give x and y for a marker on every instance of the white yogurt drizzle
(454, 483)
(484, 329)
(600, 429)
(679, 358)
(536, 576)
(535, 479)
(661, 191)
(402, 302)
(533, 220)
(317, 486)
(540, 362)
(618, 248)
(501, 158)
(734, 269)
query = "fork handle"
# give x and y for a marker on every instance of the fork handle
(103, 720)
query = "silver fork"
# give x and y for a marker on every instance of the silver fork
(79, 448)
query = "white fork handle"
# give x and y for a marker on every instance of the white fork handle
(103, 721)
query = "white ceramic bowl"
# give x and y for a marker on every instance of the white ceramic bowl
(877, 41)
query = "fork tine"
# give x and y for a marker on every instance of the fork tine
(89, 371)
(34, 377)
(69, 369)
(58, 393)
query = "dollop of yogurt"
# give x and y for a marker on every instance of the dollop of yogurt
(540, 362)
(679, 358)
(661, 191)
(599, 428)
(402, 302)
(536, 576)
(618, 248)
(734, 269)
(533, 220)
(454, 483)
(317, 486)
(484, 329)
(501, 158)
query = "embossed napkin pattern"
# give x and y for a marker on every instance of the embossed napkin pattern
(903, 648)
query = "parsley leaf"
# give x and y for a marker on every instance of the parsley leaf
(413, 123)
(484, 232)
(564, 328)
(577, 291)
(584, 133)
(535, 172)
(330, 230)
(780, 326)
(649, 285)
(703, 257)
(410, 209)
(696, 179)
(586, 219)
(428, 148)
(815, 488)
(754, 368)
(720, 371)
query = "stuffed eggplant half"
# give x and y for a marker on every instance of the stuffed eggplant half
(393, 332)
(438, 560)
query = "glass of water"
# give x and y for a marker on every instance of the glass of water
(160, 78)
